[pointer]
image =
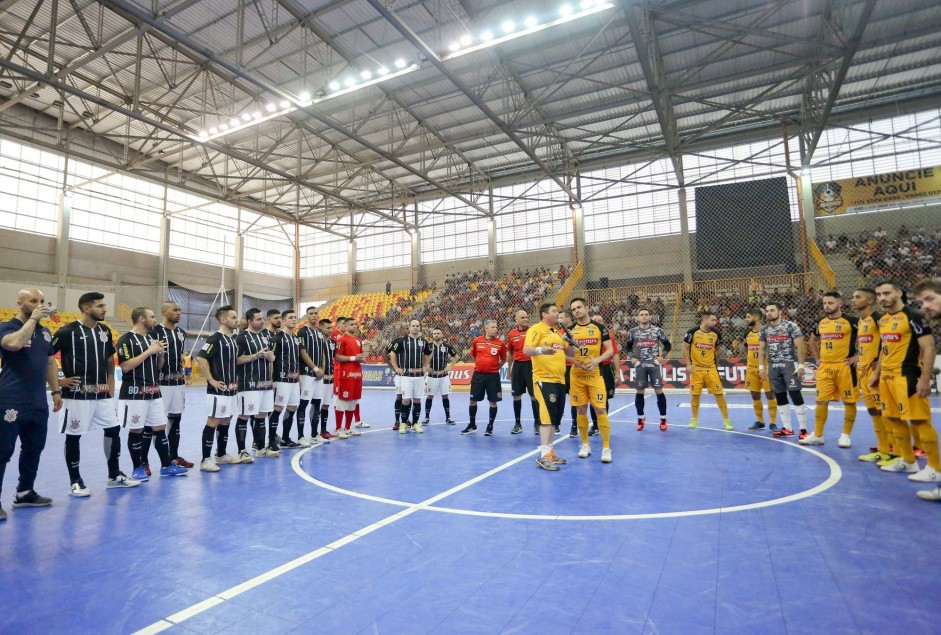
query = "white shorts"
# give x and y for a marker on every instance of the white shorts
(412, 387)
(135, 414)
(398, 385)
(267, 401)
(174, 399)
(220, 406)
(248, 403)
(343, 405)
(438, 386)
(306, 383)
(81, 415)
(287, 394)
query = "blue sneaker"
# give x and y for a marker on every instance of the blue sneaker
(773, 427)
(140, 474)
(757, 426)
(173, 470)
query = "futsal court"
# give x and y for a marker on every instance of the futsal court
(687, 531)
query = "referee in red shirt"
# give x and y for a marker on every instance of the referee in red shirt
(489, 353)
(520, 370)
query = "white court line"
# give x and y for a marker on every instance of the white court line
(228, 594)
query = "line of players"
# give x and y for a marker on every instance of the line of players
(264, 374)
(422, 368)
(887, 358)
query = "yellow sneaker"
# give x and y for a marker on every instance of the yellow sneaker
(728, 425)
(873, 457)
(694, 423)
(887, 459)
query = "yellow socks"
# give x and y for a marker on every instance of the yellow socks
(772, 410)
(582, 420)
(929, 442)
(604, 427)
(820, 417)
(694, 405)
(916, 436)
(883, 436)
(759, 410)
(849, 418)
(903, 439)
(723, 407)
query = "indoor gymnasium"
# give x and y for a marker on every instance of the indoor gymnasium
(464, 316)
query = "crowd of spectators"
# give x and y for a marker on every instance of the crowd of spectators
(906, 254)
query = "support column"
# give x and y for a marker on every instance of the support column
(239, 270)
(491, 236)
(578, 224)
(163, 256)
(416, 257)
(351, 254)
(687, 253)
(62, 239)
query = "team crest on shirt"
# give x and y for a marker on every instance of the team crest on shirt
(103, 337)
(135, 418)
(179, 335)
(47, 336)
(10, 415)
(552, 398)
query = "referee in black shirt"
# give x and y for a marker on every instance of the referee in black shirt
(407, 356)
(28, 365)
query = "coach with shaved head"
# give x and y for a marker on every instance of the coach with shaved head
(28, 365)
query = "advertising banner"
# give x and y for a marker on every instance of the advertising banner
(832, 198)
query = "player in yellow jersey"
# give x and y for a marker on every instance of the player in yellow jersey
(928, 294)
(834, 345)
(700, 352)
(903, 374)
(867, 348)
(547, 348)
(593, 346)
(754, 382)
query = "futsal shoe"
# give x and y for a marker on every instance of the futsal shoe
(584, 451)
(245, 457)
(225, 459)
(811, 439)
(470, 429)
(450, 421)
(304, 441)
(395, 426)
(773, 429)
(326, 436)
(353, 432)
(899, 465)
(557, 431)
(426, 420)
(535, 429)
(757, 426)
(489, 431)
(122, 480)
(787, 432)
(640, 423)
(728, 425)
(554, 458)
(546, 464)
(694, 423)
(663, 424)
(140, 474)
(803, 434)
(79, 490)
(930, 494)
(873, 457)
(208, 465)
(593, 431)
(173, 470)
(30, 498)
(516, 429)
(183, 462)
(322, 440)
(361, 424)
(417, 429)
(343, 434)
(606, 455)
(288, 443)
(927, 475)
(147, 470)
(919, 453)
(573, 433)
(403, 429)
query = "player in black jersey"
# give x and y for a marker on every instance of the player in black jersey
(87, 351)
(439, 360)
(140, 403)
(323, 358)
(172, 381)
(254, 380)
(287, 360)
(407, 356)
(217, 362)
(311, 379)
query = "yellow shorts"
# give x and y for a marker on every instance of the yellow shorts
(870, 395)
(588, 389)
(900, 401)
(754, 382)
(707, 378)
(837, 382)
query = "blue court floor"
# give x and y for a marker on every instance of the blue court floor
(686, 532)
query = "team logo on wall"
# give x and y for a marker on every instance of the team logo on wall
(827, 198)
(10, 415)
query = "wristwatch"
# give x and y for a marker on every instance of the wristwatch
(56, 392)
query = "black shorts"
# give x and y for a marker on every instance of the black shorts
(648, 374)
(607, 373)
(568, 378)
(521, 380)
(551, 400)
(486, 384)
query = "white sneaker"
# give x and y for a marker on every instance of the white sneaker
(245, 457)
(811, 439)
(226, 459)
(360, 424)
(261, 452)
(926, 475)
(122, 480)
(606, 455)
(844, 441)
(306, 442)
(342, 434)
(899, 465)
(353, 432)
(585, 451)
(930, 494)
(79, 490)
(321, 440)
(208, 465)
